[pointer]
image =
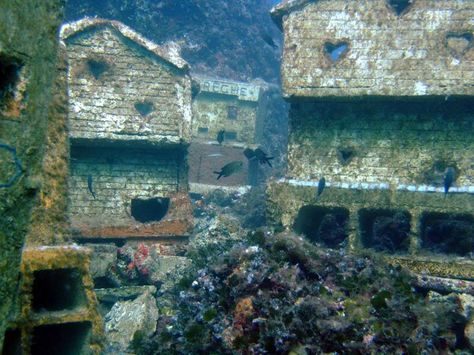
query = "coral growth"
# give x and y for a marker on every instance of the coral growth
(450, 235)
(132, 262)
(280, 294)
(390, 233)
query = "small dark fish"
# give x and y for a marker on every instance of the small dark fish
(220, 136)
(321, 186)
(229, 169)
(89, 185)
(268, 40)
(249, 153)
(448, 179)
(262, 157)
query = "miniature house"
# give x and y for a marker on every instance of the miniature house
(238, 109)
(130, 122)
(382, 104)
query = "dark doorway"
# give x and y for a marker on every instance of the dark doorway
(150, 210)
(322, 225)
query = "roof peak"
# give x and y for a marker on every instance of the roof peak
(168, 52)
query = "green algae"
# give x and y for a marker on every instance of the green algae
(33, 41)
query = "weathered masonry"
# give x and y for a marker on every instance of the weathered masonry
(47, 304)
(238, 109)
(382, 105)
(130, 123)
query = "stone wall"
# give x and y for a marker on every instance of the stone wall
(393, 144)
(119, 90)
(28, 53)
(355, 214)
(425, 50)
(381, 105)
(212, 113)
(228, 105)
(119, 175)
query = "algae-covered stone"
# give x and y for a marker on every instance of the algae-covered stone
(104, 259)
(467, 306)
(128, 320)
(29, 113)
(168, 270)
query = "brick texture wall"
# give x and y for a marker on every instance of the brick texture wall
(211, 111)
(118, 176)
(392, 142)
(427, 50)
(104, 107)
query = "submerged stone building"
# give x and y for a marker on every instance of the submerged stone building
(238, 109)
(382, 105)
(130, 124)
(48, 305)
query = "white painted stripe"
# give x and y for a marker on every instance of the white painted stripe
(378, 186)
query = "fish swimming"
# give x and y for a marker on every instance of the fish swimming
(89, 185)
(448, 179)
(262, 157)
(229, 169)
(249, 153)
(220, 136)
(268, 40)
(321, 186)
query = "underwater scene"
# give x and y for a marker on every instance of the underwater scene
(236, 177)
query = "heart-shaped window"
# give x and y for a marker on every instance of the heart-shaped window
(459, 43)
(144, 108)
(345, 155)
(97, 67)
(336, 50)
(399, 6)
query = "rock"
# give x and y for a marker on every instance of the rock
(130, 318)
(144, 262)
(467, 307)
(214, 236)
(167, 270)
(447, 305)
(103, 261)
(122, 293)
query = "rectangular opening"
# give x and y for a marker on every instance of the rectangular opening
(232, 112)
(230, 136)
(447, 233)
(385, 230)
(322, 225)
(61, 339)
(59, 289)
(9, 76)
(12, 342)
(203, 131)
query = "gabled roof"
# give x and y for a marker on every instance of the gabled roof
(285, 7)
(169, 53)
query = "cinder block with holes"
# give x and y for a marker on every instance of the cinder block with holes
(58, 307)
(427, 232)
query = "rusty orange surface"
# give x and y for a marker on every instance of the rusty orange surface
(177, 223)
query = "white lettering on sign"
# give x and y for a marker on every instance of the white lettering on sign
(243, 91)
